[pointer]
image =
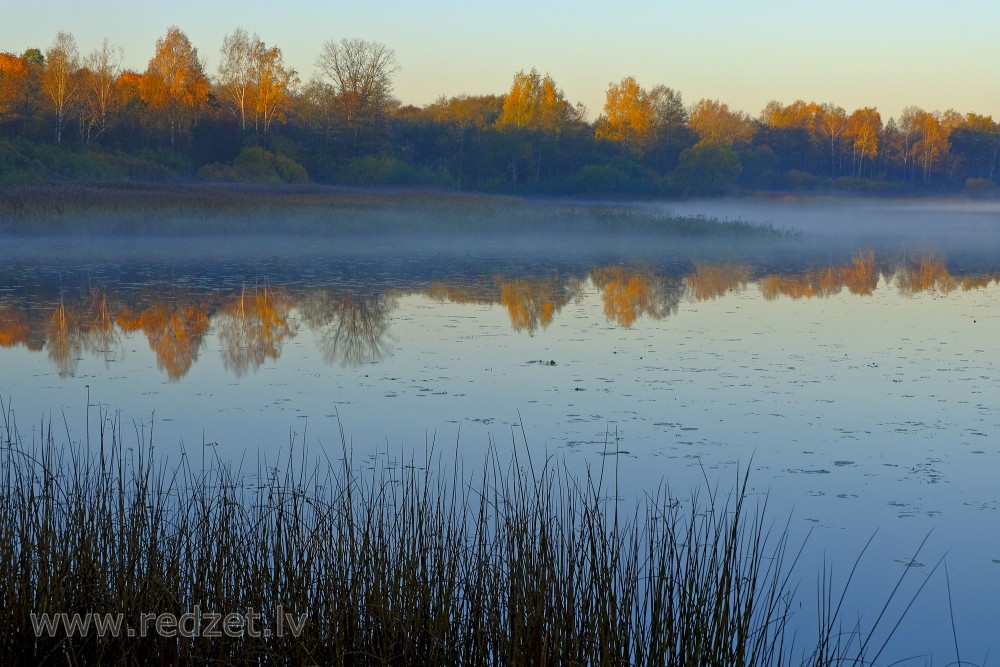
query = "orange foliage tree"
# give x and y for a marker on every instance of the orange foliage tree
(715, 123)
(174, 87)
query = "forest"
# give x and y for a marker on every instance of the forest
(68, 116)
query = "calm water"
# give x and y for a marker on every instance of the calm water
(859, 379)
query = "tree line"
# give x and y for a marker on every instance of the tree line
(63, 115)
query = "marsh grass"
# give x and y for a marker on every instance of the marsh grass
(418, 564)
(96, 208)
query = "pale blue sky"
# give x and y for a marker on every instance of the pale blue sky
(886, 53)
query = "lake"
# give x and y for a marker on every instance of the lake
(855, 369)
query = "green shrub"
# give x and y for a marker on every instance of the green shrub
(707, 169)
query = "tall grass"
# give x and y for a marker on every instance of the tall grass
(522, 563)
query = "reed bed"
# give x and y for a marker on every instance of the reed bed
(521, 563)
(195, 208)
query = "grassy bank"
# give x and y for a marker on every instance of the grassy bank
(519, 564)
(68, 207)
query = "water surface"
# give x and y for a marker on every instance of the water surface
(857, 379)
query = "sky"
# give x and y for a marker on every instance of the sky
(854, 53)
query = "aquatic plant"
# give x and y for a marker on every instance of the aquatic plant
(522, 563)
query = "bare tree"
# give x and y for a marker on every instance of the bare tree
(103, 66)
(361, 75)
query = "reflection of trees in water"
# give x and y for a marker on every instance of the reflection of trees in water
(100, 333)
(62, 335)
(532, 302)
(175, 330)
(860, 277)
(14, 327)
(253, 327)
(929, 274)
(351, 328)
(463, 292)
(631, 293)
(711, 281)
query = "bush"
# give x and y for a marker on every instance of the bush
(256, 165)
(371, 170)
(980, 187)
(707, 169)
(618, 176)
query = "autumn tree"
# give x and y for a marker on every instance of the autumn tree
(101, 70)
(535, 103)
(670, 132)
(715, 123)
(360, 75)
(14, 77)
(791, 137)
(930, 132)
(467, 119)
(174, 86)
(832, 124)
(534, 110)
(253, 81)
(628, 115)
(130, 105)
(977, 140)
(863, 129)
(59, 81)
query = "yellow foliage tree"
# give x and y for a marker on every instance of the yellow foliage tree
(628, 114)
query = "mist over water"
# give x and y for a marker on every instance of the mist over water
(906, 225)
(853, 368)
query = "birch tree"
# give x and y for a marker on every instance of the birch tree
(102, 68)
(59, 80)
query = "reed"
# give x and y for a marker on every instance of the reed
(134, 208)
(521, 563)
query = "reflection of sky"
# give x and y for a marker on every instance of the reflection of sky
(857, 412)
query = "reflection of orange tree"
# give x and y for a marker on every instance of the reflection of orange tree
(930, 273)
(351, 328)
(532, 302)
(175, 332)
(253, 327)
(713, 281)
(860, 277)
(14, 328)
(629, 294)
(462, 293)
